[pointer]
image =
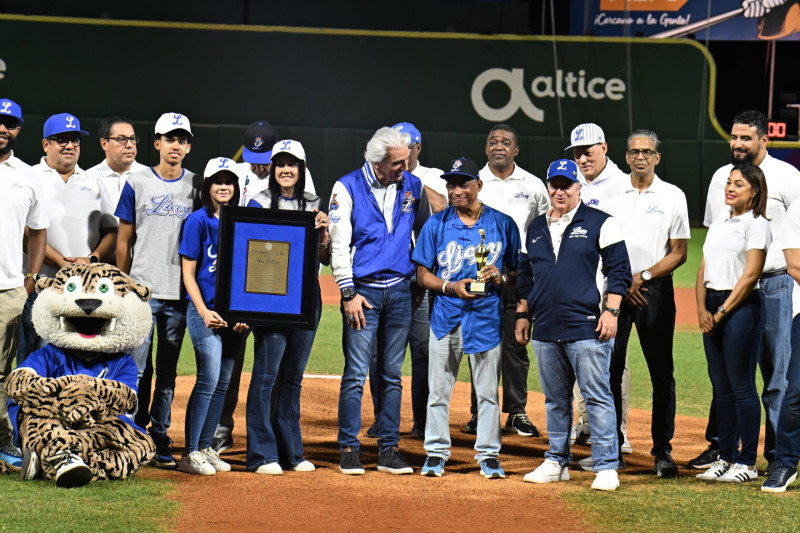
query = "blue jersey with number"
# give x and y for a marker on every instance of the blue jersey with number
(199, 242)
(447, 247)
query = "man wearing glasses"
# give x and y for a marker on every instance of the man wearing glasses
(81, 212)
(655, 223)
(23, 212)
(119, 141)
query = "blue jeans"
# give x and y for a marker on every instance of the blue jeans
(388, 323)
(280, 359)
(787, 449)
(732, 353)
(445, 358)
(169, 316)
(774, 351)
(560, 364)
(29, 340)
(215, 352)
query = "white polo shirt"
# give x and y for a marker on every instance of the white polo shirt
(250, 184)
(725, 250)
(431, 178)
(791, 240)
(77, 210)
(783, 188)
(113, 180)
(522, 196)
(605, 187)
(21, 204)
(649, 219)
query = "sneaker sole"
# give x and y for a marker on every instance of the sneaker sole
(520, 432)
(396, 471)
(77, 476)
(493, 475)
(160, 463)
(352, 471)
(197, 472)
(782, 488)
(430, 473)
(30, 466)
(551, 479)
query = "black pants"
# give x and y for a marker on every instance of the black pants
(655, 325)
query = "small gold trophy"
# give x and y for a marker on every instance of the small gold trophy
(478, 288)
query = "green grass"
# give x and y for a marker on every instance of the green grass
(687, 273)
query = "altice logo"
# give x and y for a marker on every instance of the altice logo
(562, 85)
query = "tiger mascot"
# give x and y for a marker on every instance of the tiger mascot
(70, 399)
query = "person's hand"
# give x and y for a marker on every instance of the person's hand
(354, 311)
(80, 260)
(240, 327)
(706, 320)
(607, 326)
(491, 273)
(635, 298)
(460, 289)
(212, 320)
(522, 331)
(321, 221)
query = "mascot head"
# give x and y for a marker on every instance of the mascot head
(92, 308)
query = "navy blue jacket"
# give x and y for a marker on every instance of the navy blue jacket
(562, 292)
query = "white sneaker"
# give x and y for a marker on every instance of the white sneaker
(586, 463)
(580, 434)
(196, 463)
(270, 469)
(717, 469)
(738, 473)
(304, 466)
(213, 459)
(626, 446)
(606, 480)
(547, 472)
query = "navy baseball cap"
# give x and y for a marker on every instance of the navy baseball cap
(409, 128)
(563, 167)
(463, 167)
(259, 138)
(10, 108)
(62, 123)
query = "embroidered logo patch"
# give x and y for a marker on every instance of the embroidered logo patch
(578, 233)
(408, 202)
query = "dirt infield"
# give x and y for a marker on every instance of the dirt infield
(459, 501)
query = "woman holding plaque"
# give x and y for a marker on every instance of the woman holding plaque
(281, 356)
(215, 343)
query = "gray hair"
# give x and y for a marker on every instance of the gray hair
(647, 134)
(380, 143)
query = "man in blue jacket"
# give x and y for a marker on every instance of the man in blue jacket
(372, 214)
(575, 319)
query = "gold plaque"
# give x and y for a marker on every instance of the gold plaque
(267, 267)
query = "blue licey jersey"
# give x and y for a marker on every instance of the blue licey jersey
(447, 247)
(199, 242)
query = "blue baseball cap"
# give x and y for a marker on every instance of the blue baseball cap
(409, 128)
(463, 167)
(11, 108)
(62, 123)
(563, 167)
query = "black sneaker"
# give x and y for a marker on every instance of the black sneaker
(472, 426)
(705, 459)
(163, 458)
(665, 466)
(221, 444)
(372, 432)
(350, 462)
(780, 478)
(391, 461)
(522, 425)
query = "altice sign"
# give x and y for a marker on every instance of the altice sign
(558, 84)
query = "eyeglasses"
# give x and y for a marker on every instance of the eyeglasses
(122, 140)
(10, 123)
(646, 153)
(64, 141)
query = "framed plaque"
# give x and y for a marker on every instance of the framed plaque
(267, 267)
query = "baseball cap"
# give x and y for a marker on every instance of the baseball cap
(586, 135)
(563, 167)
(172, 121)
(462, 167)
(11, 108)
(258, 140)
(409, 128)
(289, 146)
(62, 123)
(219, 164)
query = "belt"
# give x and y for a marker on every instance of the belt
(773, 273)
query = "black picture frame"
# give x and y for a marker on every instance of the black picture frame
(242, 227)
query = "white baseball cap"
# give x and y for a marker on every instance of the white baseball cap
(586, 135)
(219, 164)
(288, 146)
(172, 121)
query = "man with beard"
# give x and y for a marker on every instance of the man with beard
(749, 145)
(23, 212)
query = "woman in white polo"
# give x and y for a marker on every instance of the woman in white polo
(729, 312)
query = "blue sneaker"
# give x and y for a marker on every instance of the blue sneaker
(491, 469)
(11, 456)
(434, 466)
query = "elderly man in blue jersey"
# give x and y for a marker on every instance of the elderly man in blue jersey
(575, 320)
(372, 214)
(462, 322)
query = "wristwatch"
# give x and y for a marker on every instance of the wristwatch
(34, 277)
(614, 312)
(94, 259)
(348, 293)
(646, 275)
(503, 280)
(721, 310)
